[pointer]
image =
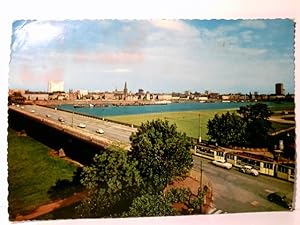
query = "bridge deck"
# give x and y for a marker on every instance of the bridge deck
(114, 133)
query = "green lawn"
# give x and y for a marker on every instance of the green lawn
(31, 172)
(187, 121)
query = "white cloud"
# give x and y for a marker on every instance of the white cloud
(36, 33)
(254, 24)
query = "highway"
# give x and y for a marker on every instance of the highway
(112, 131)
(236, 192)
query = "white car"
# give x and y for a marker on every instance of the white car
(222, 163)
(32, 111)
(61, 119)
(81, 125)
(48, 115)
(100, 131)
(249, 170)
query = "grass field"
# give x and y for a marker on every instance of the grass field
(187, 121)
(31, 172)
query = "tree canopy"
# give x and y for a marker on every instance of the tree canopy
(249, 128)
(162, 153)
(112, 181)
(227, 129)
(123, 184)
(257, 124)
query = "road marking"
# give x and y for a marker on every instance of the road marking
(269, 191)
(254, 203)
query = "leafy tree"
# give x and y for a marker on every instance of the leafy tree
(112, 181)
(227, 129)
(192, 204)
(151, 205)
(257, 124)
(162, 204)
(162, 154)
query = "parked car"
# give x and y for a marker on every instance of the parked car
(32, 111)
(249, 170)
(81, 125)
(48, 115)
(222, 163)
(61, 119)
(100, 131)
(280, 199)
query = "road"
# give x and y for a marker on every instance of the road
(235, 192)
(112, 131)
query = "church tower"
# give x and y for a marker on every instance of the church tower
(125, 91)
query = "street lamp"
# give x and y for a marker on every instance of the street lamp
(200, 139)
(72, 116)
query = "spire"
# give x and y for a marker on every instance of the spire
(125, 88)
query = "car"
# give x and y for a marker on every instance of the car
(280, 199)
(22, 107)
(61, 119)
(100, 131)
(48, 115)
(249, 170)
(81, 125)
(32, 111)
(222, 163)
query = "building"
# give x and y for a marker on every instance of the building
(55, 86)
(125, 91)
(279, 90)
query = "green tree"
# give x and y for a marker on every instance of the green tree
(151, 205)
(257, 124)
(227, 129)
(162, 153)
(162, 204)
(112, 181)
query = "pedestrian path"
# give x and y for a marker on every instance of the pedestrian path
(216, 211)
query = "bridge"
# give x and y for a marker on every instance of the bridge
(114, 133)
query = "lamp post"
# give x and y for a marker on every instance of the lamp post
(72, 117)
(200, 139)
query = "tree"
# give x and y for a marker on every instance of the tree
(257, 124)
(162, 154)
(151, 205)
(227, 129)
(162, 204)
(250, 128)
(112, 181)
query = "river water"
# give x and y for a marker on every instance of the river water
(173, 107)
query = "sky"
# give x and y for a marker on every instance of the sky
(224, 56)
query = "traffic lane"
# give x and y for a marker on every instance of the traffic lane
(238, 192)
(111, 130)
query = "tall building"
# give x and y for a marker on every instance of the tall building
(279, 90)
(125, 91)
(55, 86)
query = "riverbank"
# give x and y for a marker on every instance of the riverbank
(31, 173)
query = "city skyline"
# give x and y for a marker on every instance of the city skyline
(225, 56)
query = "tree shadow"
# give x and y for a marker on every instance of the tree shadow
(64, 188)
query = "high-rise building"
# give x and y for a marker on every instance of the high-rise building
(279, 90)
(55, 86)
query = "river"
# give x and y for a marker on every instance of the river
(172, 107)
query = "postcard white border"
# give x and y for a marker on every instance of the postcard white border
(11, 10)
